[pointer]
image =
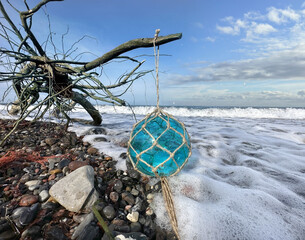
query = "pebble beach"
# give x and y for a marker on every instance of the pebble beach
(50, 178)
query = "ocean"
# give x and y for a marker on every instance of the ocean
(244, 180)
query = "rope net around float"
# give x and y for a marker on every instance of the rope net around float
(159, 146)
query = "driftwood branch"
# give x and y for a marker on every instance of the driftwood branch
(128, 46)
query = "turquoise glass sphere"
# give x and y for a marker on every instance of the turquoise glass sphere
(159, 145)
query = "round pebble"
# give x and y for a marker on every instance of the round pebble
(114, 196)
(76, 164)
(28, 200)
(133, 216)
(109, 212)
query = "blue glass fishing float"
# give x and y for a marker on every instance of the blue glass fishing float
(159, 146)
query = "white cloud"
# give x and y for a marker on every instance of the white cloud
(263, 28)
(210, 39)
(235, 28)
(282, 15)
(228, 30)
(283, 65)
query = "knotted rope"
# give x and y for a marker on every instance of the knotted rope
(167, 194)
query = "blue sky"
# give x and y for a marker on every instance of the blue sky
(233, 53)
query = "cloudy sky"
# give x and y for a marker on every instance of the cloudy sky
(233, 52)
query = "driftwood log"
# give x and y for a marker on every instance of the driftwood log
(59, 76)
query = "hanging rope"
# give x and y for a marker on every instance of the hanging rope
(157, 65)
(167, 194)
(169, 203)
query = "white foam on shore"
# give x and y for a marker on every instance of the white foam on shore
(245, 179)
(280, 113)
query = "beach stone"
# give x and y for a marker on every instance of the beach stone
(133, 216)
(51, 177)
(33, 184)
(73, 190)
(79, 218)
(126, 196)
(90, 232)
(94, 131)
(55, 171)
(118, 185)
(139, 206)
(108, 158)
(50, 141)
(109, 212)
(149, 211)
(135, 227)
(18, 211)
(72, 138)
(114, 196)
(29, 215)
(25, 178)
(55, 233)
(27, 200)
(92, 151)
(63, 163)
(131, 236)
(134, 174)
(52, 162)
(118, 222)
(150, 196)
(76, 164)
(134, 192)
(8, 235)
(122, 228)
(100, 139)
(44, 195)
(31, 232)
(79, 229)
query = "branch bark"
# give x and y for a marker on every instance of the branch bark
(125, 47)
(80, 99)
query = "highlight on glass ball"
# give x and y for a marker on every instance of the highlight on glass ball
(159, 145)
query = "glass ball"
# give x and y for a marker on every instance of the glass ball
(159, 145)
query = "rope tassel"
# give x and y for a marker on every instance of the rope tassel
(168, 197)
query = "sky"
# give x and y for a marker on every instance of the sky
(232, 53)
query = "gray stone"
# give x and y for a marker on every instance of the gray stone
(33, 184)
(8, 235)
(31, 232)
(29, 215)
(131, 236)
(87, 220)
(118, 185)
(135, 227)
(76, 189)
(134, 174)
(44, 195)
(55, 233)
(25, 178)
(52, 162)
(63, 163)
(91, 232)
(96, 130)
(109, 212)
(126, 196)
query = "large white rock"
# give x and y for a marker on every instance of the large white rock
(73, 190)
